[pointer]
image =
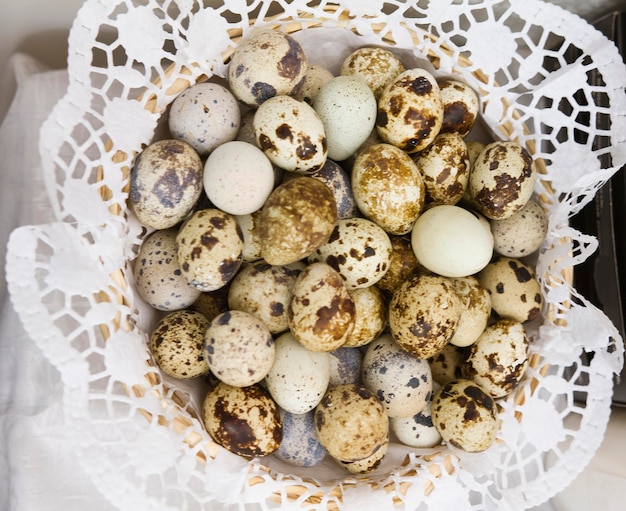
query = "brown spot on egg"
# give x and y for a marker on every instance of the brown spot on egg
(290, 65)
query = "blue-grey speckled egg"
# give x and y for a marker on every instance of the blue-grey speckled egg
(300, 445)
(345, 366)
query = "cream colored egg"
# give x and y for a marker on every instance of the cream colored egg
(476, 310)
(249, 225)
(416, 431)
(460, 107)
(377, 66)
(316, 76)
(522, 233)
(371, 316)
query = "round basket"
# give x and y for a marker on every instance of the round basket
(553, 87)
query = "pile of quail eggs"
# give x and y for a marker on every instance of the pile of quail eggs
(335, 258)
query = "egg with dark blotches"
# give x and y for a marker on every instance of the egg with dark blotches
(460, 107)
(402, 264)
(367, 464)
(401, 382)
(378, 67)
(417, 431)
(448, 363)
(300, 446)
(345, 366)
(371, 316)
(165, 183)
(316, 76)
(211, 303)
(476, 310)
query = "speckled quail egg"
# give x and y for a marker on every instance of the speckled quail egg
(205, 116)
(410, 110)
(211, 303)
(321, 312)
(448, 364)
(158, 277)
(522, 233)
(498, 360)
(514, 289)
(300, 446)
(291, 134)
(417, 431)
(345, 366)
(445, 166)
(243, 420)
(177, 344)
(315, 77)
(367, 464)
(423, 314)
(402, 264)
(239, 348)
(401, 382)
(465, 415)
(210, 245)
(452, 241)
(265, 291)
(347, 107)
(249, 225)
(165, 183)
(358, 249)
(297, 218)
(351, 423)
(377, 66)
(299, 377)
(476, 310)
(502, 179)
(388, 187)
(371, 316)
(266, 64)
(460, 107)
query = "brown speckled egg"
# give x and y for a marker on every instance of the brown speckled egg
(419, 430)
(165, 183)
(401, 382)
(367, 464)
(402, 264)
(377, 66)
(266, 64)
(297, 218)
(351, 423)
(291, 134)
(502, 179)
(476, 310)
(410, 111)
(460, 107)
(177, 344)
(249, 225)
(239, 348)
(522, 233)
(465, 415)
(448, 364)
(358, 249)
(423, 314)
(265, 291)
(158, 277)
(321, 312)
(514, 289)
(211, 303)
(445, 166)
(243, 420)
(388, 187)
(316, 76)
(371, 316)
(498, 360)
(210, 245)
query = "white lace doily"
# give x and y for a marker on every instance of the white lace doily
(547, 79)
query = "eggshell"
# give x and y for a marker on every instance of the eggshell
(239, 347)
(210, 245)
(315, 77)
(297, 218)
(460, 107)
(448, 364)
(388, 187)
(345, 366)
(300, 446)
(502, 179)
(465, 415)
(266, 64)
(402, 264)
(321, 312)
(165, 183)
(522, 233)
(514, 289)
(401, 382)
(265, 291)
(451, 241)
(238, 178)
(378, 67)
(244, 420)
(347, 107)
(371, 316)
(177, 344)
(410, 110)
(299, 377)
(291, 134)
(158, 277)
(417, 431)
(358, 249)
(351, 423)
(205, 116)
(476, 302)
(498, 360)
(423, 314)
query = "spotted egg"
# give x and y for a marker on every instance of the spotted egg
(522, 233)
(211, 303)
(371, 316)
(402, 264)
(417, 431)
(165, 183)
(300, 446)
(476, 310)
(401, 382)
(378, 67)
(266, 64)
(410, 110)
(460, 107)
(316, 76)
(244, 420)
(209, 249)
(367, 464)
(345, 366)
(448, 364)
(249, 225)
